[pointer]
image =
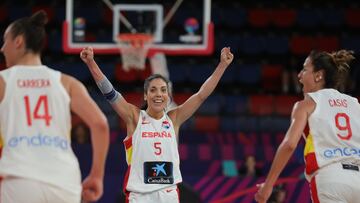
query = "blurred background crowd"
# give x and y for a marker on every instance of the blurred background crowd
(228, 145)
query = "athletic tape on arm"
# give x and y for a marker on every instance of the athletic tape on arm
(108, 90)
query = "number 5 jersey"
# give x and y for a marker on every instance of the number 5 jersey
(152, 155)
(35, 126)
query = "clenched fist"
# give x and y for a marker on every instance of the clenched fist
(87, 55)
(226, 56)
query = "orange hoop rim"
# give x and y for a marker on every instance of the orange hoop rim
(135, 37)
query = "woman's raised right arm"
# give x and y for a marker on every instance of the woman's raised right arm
(128, 112)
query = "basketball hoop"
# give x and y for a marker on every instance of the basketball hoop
(134, 48)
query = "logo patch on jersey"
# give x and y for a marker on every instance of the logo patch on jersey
(156, 172)
(39, 140)
(144, 121)
(341, 152)
(165, 124)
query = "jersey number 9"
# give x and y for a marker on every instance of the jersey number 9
(344, 126)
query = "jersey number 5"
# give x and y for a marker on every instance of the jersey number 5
(157, 146)
(42, 101)
(343, 127)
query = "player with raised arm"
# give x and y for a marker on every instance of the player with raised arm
(151, 142)
(330, 123)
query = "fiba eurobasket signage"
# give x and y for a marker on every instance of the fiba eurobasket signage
(191, 26)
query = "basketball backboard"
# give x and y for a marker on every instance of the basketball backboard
(179, 27)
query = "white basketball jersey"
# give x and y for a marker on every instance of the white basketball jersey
(334, 130)
(152, 155)
(35, 128)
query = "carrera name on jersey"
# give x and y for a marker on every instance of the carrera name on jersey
(33, 83)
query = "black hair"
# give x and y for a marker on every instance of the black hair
(33, 30)
(147, 84)
(335, 65)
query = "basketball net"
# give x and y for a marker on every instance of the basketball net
(134, 48)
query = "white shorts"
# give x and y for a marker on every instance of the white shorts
(166, 195)
(336, 184)
(14, 189)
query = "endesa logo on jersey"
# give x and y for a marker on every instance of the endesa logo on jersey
(39, 141)
(341, 152)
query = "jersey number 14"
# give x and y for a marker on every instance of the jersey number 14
(41, 103)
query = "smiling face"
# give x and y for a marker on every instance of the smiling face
(157, 96)
(310, 79)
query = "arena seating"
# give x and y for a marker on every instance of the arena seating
(249, 112)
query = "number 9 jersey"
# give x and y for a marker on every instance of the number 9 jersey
(35, 125)
(334, 130)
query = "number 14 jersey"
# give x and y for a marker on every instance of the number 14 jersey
(35, 128)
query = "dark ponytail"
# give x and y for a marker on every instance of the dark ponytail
(336, 66)
(33, 30)
(39, 19)
(342, 59)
